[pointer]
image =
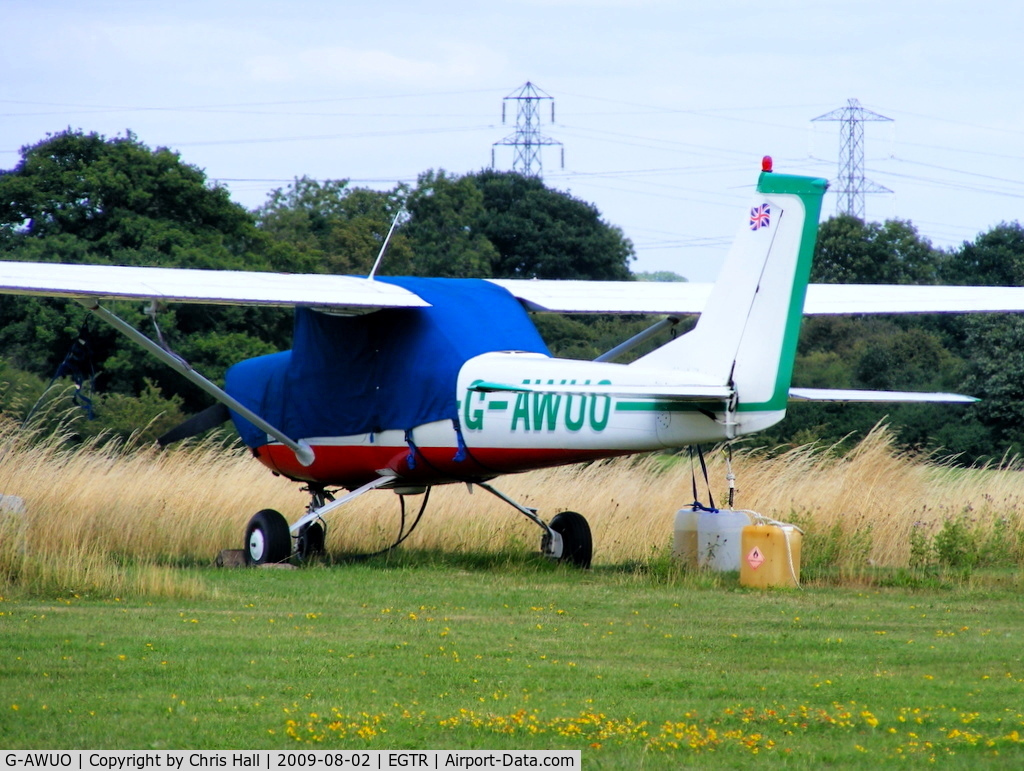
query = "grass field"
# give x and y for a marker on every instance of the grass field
(636, 669)
(905, 643)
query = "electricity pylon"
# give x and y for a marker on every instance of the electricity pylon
(527, 139)
(851, 184)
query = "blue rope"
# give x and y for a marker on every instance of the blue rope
(410, 459)
(460, 455)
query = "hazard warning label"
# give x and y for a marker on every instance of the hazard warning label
(756, 558)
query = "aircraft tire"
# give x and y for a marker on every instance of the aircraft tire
(267, 538)
(577, 544)
(311, 542)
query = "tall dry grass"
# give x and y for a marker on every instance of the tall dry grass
(111, 517)
(884, 495)
(108, 517)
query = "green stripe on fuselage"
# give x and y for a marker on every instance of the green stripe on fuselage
(664, 406)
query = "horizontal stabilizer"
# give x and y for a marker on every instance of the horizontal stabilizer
(340, 294)
(825, 299)
(672, 393)
(853, 395)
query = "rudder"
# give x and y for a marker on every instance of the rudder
(747, 334)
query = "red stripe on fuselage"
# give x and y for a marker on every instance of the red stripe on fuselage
(351, 467)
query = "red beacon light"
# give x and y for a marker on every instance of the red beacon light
(766, 163)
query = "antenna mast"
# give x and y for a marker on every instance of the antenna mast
(851, 184)
(527, 139)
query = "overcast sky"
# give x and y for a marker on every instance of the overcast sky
(664, 107)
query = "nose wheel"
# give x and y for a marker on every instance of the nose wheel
(267, 539)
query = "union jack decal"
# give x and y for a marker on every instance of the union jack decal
(760, 217)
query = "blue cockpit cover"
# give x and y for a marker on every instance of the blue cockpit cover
(394, 368)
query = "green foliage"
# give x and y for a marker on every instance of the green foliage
(877, 352)
(658, 275)
(444, 227)
(140, 419)
(850, 251)
(963, 543)
(586, 337)
(994, 258)
(49, 411)
(542, 233)
(910, 357)
(996, 375)
(842, 547)
(19, 390)
(77, 197)
(920, 548)
(488, 224)
(992, 343)
(955, 545)
(116, 201)
(333, 228)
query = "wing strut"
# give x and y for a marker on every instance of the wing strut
(636, 339)
(301, 448)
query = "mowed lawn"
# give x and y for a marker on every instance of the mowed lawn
(634, 668)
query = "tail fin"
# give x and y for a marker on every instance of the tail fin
(747, 334)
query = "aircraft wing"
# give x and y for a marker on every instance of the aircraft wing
(352, 294)
(854, 395)
(822, 299)
(339, 294)
(556, 296)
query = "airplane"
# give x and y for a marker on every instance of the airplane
(404, 383)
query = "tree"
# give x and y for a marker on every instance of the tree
(850, 251)
(994, 344)
(659, 275)
(995, 258)
(982, 356)
(334, 228)
(996, 376)
(445, 214)
(542, 233)
(116, 201)
(77, 197)
(489, 224)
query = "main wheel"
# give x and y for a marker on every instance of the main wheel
(267, 538)
(577, 544)
(311, 542)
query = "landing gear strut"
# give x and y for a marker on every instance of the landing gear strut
(566, 539)
(311, 534)
(268, 538)
(310, 543)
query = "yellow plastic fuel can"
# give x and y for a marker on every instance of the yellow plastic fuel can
(770, 556)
